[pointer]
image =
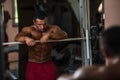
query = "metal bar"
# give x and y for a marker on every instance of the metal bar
(85, 26)
(62, 40)
(12, 75)
(2, 65)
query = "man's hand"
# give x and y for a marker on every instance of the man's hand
(30, 41)
(44, 38)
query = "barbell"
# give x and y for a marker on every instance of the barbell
(61, 40)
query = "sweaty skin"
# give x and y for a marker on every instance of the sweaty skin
(40, 51)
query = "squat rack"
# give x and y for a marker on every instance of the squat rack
(2, 62)
(85, 24)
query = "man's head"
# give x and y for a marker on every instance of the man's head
(40, 19)
(110, 41)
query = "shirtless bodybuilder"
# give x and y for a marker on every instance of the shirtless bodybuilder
(40, 65)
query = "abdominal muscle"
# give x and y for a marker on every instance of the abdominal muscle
(40, 52)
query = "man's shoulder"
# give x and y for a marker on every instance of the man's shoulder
(98, 72)
(88, 69)
(54, 27)
(82, 73)
(27, 29)
(88, 72)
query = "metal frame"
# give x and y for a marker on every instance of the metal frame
(2, 62)
(85, 31)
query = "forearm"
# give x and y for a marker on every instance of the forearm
(64, 35)
(21, 37)
(23, 34)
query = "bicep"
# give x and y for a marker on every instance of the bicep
(58, 33)
(24, 32)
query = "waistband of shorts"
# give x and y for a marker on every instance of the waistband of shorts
(42, 61)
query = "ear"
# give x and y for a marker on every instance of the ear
(33, 21)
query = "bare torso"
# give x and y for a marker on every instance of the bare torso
(39, 52)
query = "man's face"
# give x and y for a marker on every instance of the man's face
(40, 24)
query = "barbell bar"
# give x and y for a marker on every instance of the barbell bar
(61, 40)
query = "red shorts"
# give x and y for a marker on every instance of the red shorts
(41, 71)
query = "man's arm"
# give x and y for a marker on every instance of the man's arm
(24, 36)
(24, 33)
(56, 33)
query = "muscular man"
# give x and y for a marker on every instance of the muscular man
(110, 47)
(40, 65)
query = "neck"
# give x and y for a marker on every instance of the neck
(113, 60)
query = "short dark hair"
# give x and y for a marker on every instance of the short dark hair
(40, 11)
(110, 40)
(39, 15)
